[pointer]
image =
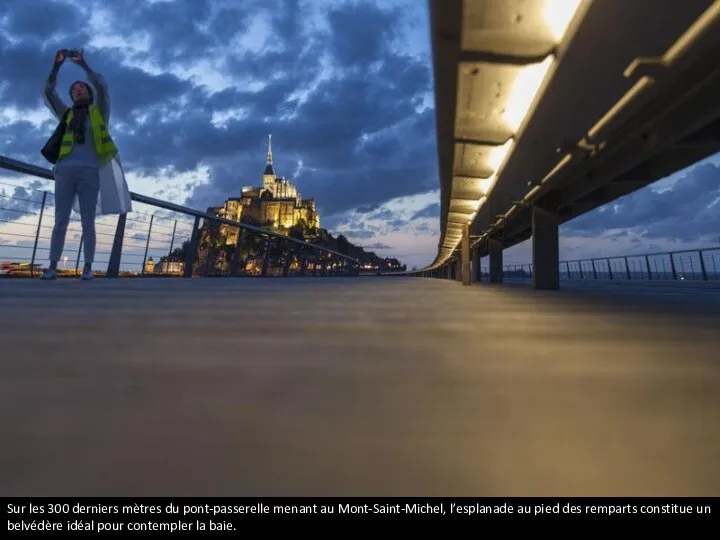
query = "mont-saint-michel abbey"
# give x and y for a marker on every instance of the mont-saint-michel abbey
(276, 204)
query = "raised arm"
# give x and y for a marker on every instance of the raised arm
(52, 100)
(102, 96)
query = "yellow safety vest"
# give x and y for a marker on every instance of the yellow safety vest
(104, 146)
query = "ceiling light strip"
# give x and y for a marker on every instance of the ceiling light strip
(558, 15)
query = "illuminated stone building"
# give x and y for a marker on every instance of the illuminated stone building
(150, 265)
(275, 204)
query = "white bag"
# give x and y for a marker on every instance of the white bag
(114, 195)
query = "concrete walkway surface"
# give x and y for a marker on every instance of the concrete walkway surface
(356, 386)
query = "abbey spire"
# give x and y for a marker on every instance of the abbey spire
(269, 171)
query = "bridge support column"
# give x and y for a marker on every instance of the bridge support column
(546, 251)
(466, 255)
(495, 249)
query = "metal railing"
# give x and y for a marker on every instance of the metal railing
(158, 238)
(700, 265)
(681, 265)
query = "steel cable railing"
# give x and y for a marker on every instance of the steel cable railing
(681, 265)
(157, 238)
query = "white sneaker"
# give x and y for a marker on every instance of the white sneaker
(49, 273)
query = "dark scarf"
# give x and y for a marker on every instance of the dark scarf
(80, 114)
(77, 124)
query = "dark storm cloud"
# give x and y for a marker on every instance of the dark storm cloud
(347, 170)
(360, 131)
(176, 29)
(19, 203)
(385, 214)
(133, 90)
(23, 141)
(367, 208)
(23, 20)
(681, 212)
(335, 221)
(26, 68)
(430, 211)
(360, 33)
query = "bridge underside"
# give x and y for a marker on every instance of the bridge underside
(355, 387)
(604, 110)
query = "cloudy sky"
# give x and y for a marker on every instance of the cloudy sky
(345, 88)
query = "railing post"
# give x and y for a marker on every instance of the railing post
(627, 268)
(647, 265)
(37, 235)
(235, 262)
(113, 269)
(191, 252)
(172, 245)
(172, 240)
(672, 266)
(682, 267)
(703, 271)
(609, 269)
(77, 261)
(594, 268)
(581, 270)
(147, 244)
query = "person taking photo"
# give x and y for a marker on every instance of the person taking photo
(88, 174)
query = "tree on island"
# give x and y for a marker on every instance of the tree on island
(215, 254)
